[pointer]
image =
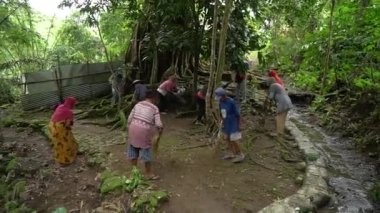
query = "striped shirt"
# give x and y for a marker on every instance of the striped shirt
(146, 115)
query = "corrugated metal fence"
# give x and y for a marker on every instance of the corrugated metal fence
(83, 81)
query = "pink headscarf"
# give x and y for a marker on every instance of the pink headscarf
(64, 111)
(273, 74)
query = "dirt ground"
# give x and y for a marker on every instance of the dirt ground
(194, 174)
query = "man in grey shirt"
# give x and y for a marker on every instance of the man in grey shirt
(117, 82)
(140, 91)
(283, 104)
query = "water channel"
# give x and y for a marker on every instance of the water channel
(351, 173)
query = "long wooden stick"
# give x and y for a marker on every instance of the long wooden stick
(156, 144)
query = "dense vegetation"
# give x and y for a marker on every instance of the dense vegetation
(332, 47)
(326, 46)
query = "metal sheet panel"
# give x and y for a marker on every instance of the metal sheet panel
(38, 87)
(43, 99)
(81, 81)
(39, 76)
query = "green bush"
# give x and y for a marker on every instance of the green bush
(9, 91)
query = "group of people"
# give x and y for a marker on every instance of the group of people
(144, 121)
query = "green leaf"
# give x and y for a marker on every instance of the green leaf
(60, 210)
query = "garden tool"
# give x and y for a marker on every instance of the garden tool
(156, 141)
(217, 137)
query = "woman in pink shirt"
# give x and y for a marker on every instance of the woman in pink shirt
(200, 98)
(143, 120)
(168, 86)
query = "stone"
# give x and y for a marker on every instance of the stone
(301, 166)
(299, 179)
(372, 155)
(99, 210)
(320, 200)
(313, 156)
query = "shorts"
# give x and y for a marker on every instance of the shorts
(233, 136)
(135, 153)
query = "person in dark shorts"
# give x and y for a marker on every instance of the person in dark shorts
(231, 125)
(143, 121)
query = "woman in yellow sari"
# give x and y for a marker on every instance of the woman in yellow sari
(64, 144)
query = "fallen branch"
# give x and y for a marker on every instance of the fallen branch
(257, 163)
(289, 158)
(268, 147)
(192, 147)
(95, 123)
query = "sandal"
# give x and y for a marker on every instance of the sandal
(153, 177)
(228, 156)
(238, 159)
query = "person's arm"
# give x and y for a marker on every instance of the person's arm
(270, 96)
(69, 122)
(237, 113)
(221, 115)
(271, 92)
(174, 88)
(110, 79)
(130, 116)
(158, 122)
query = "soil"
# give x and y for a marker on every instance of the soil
(193, 172)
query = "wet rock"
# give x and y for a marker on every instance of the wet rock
(299, 179)
(312, 156)
(314, 191)
(372, 155)
(349, 195)
(320, 200)
(301, 166)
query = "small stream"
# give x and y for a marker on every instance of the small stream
(351, 173)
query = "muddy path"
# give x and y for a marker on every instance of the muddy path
(192, 172)
(199, 181)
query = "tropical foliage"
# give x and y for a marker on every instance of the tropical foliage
(326, 46)
(332, 48)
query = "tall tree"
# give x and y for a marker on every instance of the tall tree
(216, 72)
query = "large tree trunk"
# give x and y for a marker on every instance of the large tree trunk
(210, 88)
(222, 42)
(212, 111)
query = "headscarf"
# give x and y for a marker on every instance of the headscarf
(273, 74)
(64, 111)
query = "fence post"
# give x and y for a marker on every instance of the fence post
(58, 80)
(92, 79)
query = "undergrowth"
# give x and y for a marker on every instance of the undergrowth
(143, 197)
(354, 115)
(12, 188)
(374, 192)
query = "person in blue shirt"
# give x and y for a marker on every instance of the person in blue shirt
(231, 125)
